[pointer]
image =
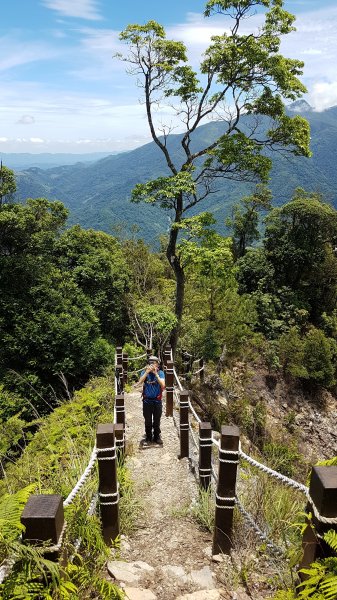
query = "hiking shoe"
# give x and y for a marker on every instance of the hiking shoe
(146, 441)
(158, 441)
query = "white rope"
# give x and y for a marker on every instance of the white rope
(135, 372)
(276, 474)
(6, 568)
(215, 442)
(263, 536)
(197, 418)
(137, 357)
(55, 547)
(112, 449)
(177, 379)
(291, 483)
(199, 371)
(193, 438)
(91, 511)
(110, 495)
(82, 479)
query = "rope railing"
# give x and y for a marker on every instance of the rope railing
(229, 459)
(71, 497)
(53, 505)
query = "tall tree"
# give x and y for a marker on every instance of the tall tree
(245, 218)
(243, 82)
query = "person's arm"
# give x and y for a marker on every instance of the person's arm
(161, 380)
(144, 374)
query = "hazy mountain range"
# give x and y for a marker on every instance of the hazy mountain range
(98, 193)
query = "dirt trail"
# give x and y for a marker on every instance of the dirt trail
(176, 552)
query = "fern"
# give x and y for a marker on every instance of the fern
(330, 537)
(11, 507)
(330, 462)
(321, 582)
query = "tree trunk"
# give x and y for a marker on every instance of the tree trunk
(178, 269)
(179, 304)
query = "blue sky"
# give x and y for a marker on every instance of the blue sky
(61, 90)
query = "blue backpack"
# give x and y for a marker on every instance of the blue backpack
(151, 388)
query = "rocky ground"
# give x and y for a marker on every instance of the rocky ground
(168, 557)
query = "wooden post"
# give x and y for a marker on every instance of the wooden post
(169, 388)
(167, 356)
(120, 440)
(225, 494)
(184, 427)
(323, 492)
(125, 364)
(202, 372)
(119, 355)
(120, 378)
(43, 518)
(108, 486)
(205, 455)
(120, 409)
(149, 351)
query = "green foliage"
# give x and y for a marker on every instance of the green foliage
(249, 70)
(11, 507)
(319, 354)
(291, 353)
(203, 510)
(7, 183)
(245, 218)
(282, 456)
(97, 264)
(60, 449)
(60, 293)
(321, 577)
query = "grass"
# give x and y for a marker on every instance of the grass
(204, 508)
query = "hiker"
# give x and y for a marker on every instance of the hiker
(153, 380)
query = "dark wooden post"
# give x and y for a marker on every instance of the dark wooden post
(167, 355)
(125, 364)
(184, 427)
(108, 486)
(225, 494)
(120, 409)
(119, 355)
(205, 455)
(120, 440)
(202, 372)
(169, 388)
(323, 492)
(120, 378)
(43, 518)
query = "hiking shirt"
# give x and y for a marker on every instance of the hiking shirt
(151, 387)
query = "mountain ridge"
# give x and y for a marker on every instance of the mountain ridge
(98, 194)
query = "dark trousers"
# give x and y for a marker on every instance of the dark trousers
(152, 410)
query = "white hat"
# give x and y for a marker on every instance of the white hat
(153, 358)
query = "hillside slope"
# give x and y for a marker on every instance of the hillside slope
(98, 194)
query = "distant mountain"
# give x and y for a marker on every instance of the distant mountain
(98, 194)
(19, 161)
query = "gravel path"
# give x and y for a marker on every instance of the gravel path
(176, 552)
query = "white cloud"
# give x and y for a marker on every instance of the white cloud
(14, 52)
(323, 95)
(26, 120)
(84, 9)
(36, 140)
